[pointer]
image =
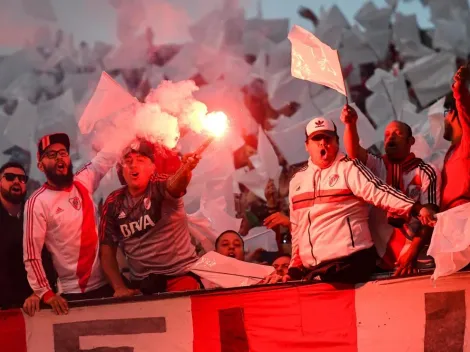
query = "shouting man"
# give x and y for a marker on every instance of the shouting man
(61, 216)
(398, 243)
(328, 202)
(147, 220)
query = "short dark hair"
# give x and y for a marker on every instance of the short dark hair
(228, 231)
(408, 129)
(12, 164)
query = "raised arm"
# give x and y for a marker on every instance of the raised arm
(177, 183)
(462, 100)
(351, 136)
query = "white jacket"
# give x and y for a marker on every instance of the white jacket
(329, 210)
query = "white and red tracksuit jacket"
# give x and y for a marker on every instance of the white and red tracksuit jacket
(64, 221)
(329, 210)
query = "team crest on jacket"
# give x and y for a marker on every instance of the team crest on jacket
(333, 180)
(147, 203)
(414, 192)
(75, 201)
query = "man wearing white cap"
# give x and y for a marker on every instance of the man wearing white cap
(329, 212)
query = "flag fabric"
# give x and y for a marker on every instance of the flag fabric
(450, 242)
(109, 98)
(410, 314)
(315, 61)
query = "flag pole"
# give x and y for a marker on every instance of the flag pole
(346, 87)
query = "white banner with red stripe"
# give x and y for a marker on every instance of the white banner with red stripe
(411, 314)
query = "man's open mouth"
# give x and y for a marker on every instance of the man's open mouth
(60, 166)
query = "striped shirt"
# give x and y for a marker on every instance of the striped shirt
(421, 183)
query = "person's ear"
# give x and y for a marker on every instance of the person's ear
(412, 140)
(40, 166)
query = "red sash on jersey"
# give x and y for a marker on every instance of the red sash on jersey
(89, 238)
(395, 174)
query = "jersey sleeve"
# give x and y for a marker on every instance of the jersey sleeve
(35, 227)
(365, 185)
(376, 165)
(430, 185)
(91, 174)
(159, 187)
(108, 229)
(296, 261)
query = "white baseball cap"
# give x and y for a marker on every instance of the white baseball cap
(320, 125)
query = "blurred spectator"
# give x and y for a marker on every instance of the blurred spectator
(230, 243)
(281, 264)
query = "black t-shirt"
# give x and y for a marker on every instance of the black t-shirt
(14, 286)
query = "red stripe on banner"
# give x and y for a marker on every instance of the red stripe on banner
(12, 331)
(232, 330)
(304, 318)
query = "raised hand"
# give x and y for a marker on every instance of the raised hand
(348, 115)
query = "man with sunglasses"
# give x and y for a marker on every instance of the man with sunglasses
(15, 287)
(147, 220)
(457, 131)
(61, 216)
(329, 209)
(398, 243)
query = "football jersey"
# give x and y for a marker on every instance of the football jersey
(56, 219)
(421, 184)
(152, 231)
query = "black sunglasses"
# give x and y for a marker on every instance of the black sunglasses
(10, 177)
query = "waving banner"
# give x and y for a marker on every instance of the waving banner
(410, 314)
(314, 61)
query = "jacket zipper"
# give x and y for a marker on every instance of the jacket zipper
(310, 238)
(350, 231)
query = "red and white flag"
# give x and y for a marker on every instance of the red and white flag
(314, 61)
(410, 314)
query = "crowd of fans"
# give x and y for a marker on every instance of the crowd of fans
(53, 253)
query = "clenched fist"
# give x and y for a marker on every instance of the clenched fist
(349, 115)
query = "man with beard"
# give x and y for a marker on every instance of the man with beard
(457, 131)
(398, 243)
(61, 216)
(15, 287)
(147, 220)
(328, 202)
